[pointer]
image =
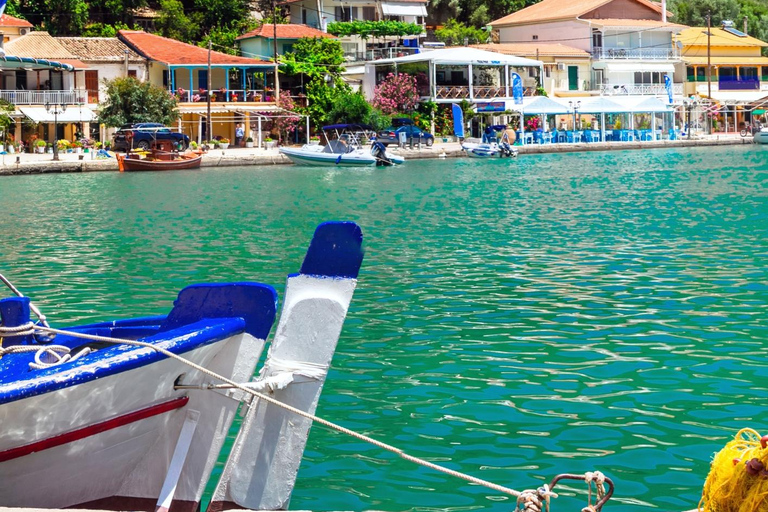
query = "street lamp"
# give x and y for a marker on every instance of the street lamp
(575, 106)
(55, 109)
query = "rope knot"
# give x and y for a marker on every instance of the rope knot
(599, 480)
(535, 500)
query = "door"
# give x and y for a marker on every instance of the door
(92, 85)
(573, 78)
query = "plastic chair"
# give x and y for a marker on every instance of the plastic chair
(545, 138)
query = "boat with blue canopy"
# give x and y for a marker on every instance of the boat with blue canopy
(344, 148)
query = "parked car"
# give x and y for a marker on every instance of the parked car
(141, 135)
(392, 134)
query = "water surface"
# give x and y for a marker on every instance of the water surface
(513, 319)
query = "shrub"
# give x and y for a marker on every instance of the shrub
(396, 93)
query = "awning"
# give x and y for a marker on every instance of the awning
(539, 105)
(402, 9)
(73, 114)
(626, 67)
(758, 112)
(738, 97)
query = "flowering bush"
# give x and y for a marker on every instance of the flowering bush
(287, 124)
(397, 93)
(64, 144)
(532, 124)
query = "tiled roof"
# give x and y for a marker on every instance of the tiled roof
(531, 50)
(100, 49)
(172, 52)
(285, 31)
(552, 10)
(697, 36)
(9, 21)
(41, 45)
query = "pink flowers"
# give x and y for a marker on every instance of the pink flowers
(397, 93)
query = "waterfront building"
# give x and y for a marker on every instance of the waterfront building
(557, 59)
(241, 89)
(738, 79)
(319, 13)
(12, 27)
(37, 71)
(630, 43)
(260, 43)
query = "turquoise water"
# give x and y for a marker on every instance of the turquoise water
(513, 320)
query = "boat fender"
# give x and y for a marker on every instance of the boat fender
(338, 160)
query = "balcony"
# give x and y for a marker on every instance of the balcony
(640, 89)
(379, 53)
(479, 92)
(24, 97)
(635, 53)
(225, 96)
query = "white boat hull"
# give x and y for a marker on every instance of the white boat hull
(487, 150)
(761, 137)
(314, 155)
(109, 441)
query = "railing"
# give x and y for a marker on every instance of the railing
(23, 97)
(379, 53)
(224, 95)
(743, 84)
(640, 89)
(479, 92)
(635, 53)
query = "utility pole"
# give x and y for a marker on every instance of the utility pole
(274, 27)
(709, 66)
(209, 124)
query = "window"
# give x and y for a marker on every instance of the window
(165, 78)
(748, 73)
(132, 73)
(764, 74)
(547, 71)
(690, 73)
(287, 47)
(701, 74)
(535, 37)
(304, 16)
(343, 13)
(369, 13)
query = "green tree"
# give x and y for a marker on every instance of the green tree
(131, 101)
(455, 33)
(694, 12)
(314, 57)
(352, 107)
(103, 29)
(172, 21)
(65, 17)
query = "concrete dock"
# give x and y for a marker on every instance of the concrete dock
(32, 163)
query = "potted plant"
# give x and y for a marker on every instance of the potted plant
(314, 140)
(224, 142)
(269, 143)
(215, 143)
(76, 146)
(249, 142)
(40, 145)
(193, 145)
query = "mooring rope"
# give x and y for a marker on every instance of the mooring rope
(544, 491)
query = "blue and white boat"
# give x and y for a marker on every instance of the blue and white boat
(343, 149)
(491, 148)
(131, 414)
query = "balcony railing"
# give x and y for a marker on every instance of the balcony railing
(479, 92)
(742, 84)
(635, 53)
(379, 53)
(23, 97)
(224, 95)
(640, 89)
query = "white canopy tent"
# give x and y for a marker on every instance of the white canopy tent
(463, 55)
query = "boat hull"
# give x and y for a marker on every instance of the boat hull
(761, 137)
(136, 164)
(486, 150)
(314, 156)
(116, 445)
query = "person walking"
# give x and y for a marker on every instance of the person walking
(239, 132)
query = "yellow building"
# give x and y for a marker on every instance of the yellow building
(738, 79)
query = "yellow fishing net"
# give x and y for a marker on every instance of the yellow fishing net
(738, 477)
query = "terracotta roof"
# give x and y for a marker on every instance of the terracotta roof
(285, 31)
(99, 49)
(172, 52)
(9, 21)
(697, 36)
(551, 10)
(622, 22)
(531, 50)
(41, 45)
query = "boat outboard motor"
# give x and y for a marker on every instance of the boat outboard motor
(379, 151)
(506, 149)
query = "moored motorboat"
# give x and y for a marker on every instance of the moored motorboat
(489, 149)
(159, 160)
(761, 136)
(132, 415)
(343, 150)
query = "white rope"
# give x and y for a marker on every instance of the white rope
(45, 356)
(599, 479)
(535, 500)
(317, 419)
(279, 373)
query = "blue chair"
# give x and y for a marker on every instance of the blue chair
(627, 135)
(573, 136)
(546, 137)
(561, 136)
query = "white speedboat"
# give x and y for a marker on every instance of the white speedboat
(761, 137)
(344, 150)
(489, 149)
(132, 415)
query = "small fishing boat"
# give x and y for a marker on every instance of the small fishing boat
(490, 147)
(343, 149)
(158, 160)
(131, 414)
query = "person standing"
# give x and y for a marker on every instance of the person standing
(239, 132)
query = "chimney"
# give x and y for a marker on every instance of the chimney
(663, 11)
(745, 25)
